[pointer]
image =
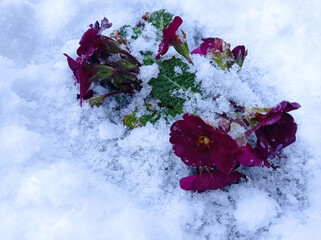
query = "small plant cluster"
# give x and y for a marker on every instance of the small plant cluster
(216, 155)
(212, 150)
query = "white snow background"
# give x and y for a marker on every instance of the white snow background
(68, 172)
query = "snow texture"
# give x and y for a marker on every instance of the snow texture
(76, 173)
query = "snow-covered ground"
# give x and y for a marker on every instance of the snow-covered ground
(75, 173)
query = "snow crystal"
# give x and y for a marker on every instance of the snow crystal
(110, 131)
(178, 70)
(254, 210)
(148, 72)
(17, 144)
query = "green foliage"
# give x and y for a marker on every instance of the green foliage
(130, 120)
(160, 19)
(136, 31)
(152, 118)
(169, 81)
(149, 58)
(101, 71)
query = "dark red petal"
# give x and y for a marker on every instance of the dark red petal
(284, 107)
(81, 74)
(273, 138)
(250, 157)
(212, 180)
(73, 65)
(191, 156)
(239, 52)
(191, 127)
(271, 119)
(185, 135)
(212, 43)
(162, 49)
(223, 148)
(275, 114)
(198, 51)
(88, 37)
(88, 43)
(196, 125)
(223, 159)
(267, 120)
(169, 33)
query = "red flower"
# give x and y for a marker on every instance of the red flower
(199, 144)
(276, 129)
(170, 38)
(220, 52)
(209, 44)
(92, 39)
(88, 44)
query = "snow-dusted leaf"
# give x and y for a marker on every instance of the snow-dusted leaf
(174, 76)
(124, 30)
(160, 19)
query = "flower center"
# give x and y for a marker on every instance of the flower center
(203, 139)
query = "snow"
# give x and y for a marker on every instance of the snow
(254, 210)
(76, 173)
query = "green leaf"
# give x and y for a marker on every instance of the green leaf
(130, 120)
(152, 118)
(149, 58)
(136, 31)
(169, 80)
(97, 100)
(160, 19)
(102, 71)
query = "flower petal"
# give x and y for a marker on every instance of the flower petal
(82, 76)
(273, 138)
(273, 118)
(239, 53)
(212, 180)
(197, 51)
(208, 45)
(222, 151)
(162, 49)
(88, 43)
(169, 35)
(212, 43)
(186, 136)
(251, 157)
(284, 107)
(275, 114)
